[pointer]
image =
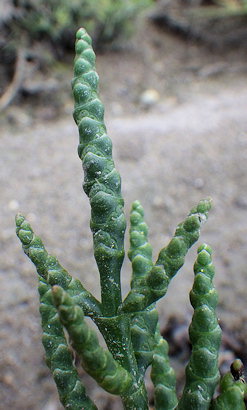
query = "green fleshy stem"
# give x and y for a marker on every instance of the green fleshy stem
(140, 252)
(233, 390)
(118, 334)
(97, 362)
(143, 324)
(143, 327)
(170, 260)
(48, 267)
(202, 373)
(163, 376)
(102, 182)
(71, 391)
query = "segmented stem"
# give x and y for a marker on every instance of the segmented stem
(102, 182)
(49, 268)
(163, 376)
(233, 390)
(154, 285)
(140, 252)
(71, 391)
(143, 327)
(143, 324)
(97, 362)
(202, 373)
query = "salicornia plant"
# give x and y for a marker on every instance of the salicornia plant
(129, 326)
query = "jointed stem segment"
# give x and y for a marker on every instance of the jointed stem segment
(232, 392)
(202, 374)
(97, 361)
(150, 282)
(71, 391)
(163, 376)
(50, 269)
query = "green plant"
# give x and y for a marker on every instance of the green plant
(221, 9)
(56, 20)
(130, 327)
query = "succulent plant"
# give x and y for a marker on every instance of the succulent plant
(129, 326)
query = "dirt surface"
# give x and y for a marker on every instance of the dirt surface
(176, 112)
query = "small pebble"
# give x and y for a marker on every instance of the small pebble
(149, 97)
(198, 183)
(14, 205)
(241, 202)
(8, 379)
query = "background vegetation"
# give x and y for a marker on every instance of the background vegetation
(57, 21)
(42, 31)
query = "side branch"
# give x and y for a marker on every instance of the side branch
(97, 362)
(154, 285)
(163, 376)
(233, 390)
(71, 391)
(202, 373)
(49, 268)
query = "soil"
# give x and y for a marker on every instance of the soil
(176, 112)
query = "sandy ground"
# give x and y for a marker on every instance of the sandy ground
(184, 143)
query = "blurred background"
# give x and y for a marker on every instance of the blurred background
(173, 80)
